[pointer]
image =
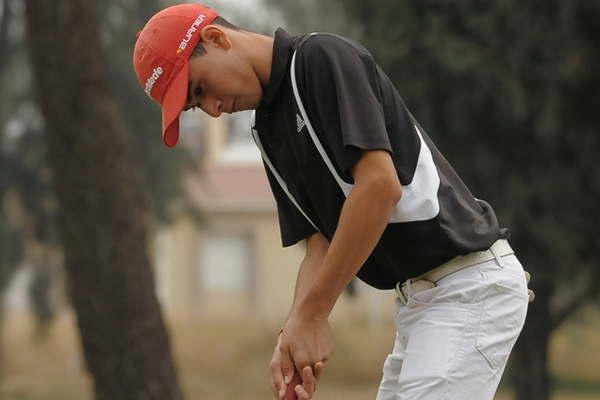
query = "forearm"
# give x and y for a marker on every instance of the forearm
(309, 267)
(362, 221)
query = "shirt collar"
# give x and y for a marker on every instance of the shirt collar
(283, 44)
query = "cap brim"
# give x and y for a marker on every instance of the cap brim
(172, 105)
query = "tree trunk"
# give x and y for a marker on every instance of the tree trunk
(530, 368)
(102, 210)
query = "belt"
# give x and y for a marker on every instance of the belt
(429, 279)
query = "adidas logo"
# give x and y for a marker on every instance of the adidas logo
(299, 123)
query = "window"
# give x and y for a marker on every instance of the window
(239, 128)
(225, 262)
(239, 146)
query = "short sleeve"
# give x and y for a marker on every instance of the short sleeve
(293, 225)
(343, 98)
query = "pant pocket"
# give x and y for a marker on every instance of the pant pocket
(502, 318)
(459, 291)
(389, 386)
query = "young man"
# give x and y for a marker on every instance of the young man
(355, 175)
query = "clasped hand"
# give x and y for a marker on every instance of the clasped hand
(304, 345)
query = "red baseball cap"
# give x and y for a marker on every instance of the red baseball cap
(160, 59)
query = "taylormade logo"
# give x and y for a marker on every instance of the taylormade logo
(300, 124)
(189, 33)
(156, 73)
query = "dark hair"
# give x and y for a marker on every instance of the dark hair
(199, 49)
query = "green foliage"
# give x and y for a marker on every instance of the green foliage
(16, 162)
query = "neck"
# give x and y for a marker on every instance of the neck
(259, 51)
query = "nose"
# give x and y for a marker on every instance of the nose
(212, 107)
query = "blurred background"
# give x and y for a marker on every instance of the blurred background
(133, 271)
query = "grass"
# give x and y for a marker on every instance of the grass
(220, 360)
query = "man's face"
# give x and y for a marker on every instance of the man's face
(221, 81)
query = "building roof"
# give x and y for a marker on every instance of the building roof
(230, 187)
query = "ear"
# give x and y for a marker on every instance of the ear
(215, 36)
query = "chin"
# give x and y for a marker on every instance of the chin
(252, 105)
(242, 106)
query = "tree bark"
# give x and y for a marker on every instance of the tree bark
(102, 210)
(530, 368)
(571, 297)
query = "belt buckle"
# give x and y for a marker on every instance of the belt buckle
(400, 293)
(406, 289)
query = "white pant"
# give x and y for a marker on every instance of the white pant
(453, 340)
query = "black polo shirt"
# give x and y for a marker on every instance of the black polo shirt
(313, 124)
